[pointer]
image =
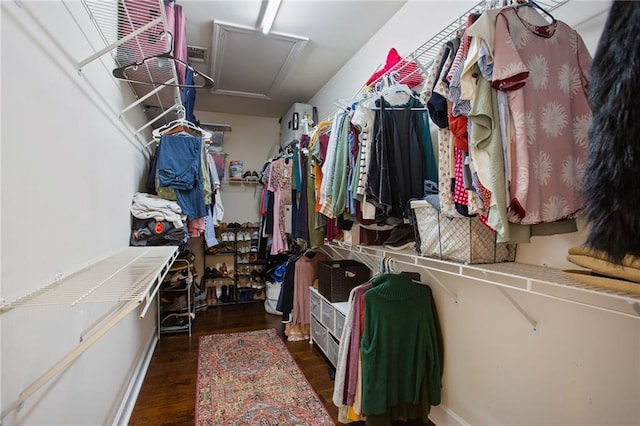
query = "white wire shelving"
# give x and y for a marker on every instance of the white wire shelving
(425, 54)
(133, 31)
(539, 280)
(128, 279)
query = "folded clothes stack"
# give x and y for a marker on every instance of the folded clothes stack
(602, 272)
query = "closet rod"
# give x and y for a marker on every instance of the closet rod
(69, 358)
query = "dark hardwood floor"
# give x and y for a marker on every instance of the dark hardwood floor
(168, 393)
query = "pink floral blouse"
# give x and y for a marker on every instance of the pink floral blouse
(545, 71)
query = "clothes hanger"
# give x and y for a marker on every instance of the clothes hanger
(121, 72)
(181, 125)
(534, 5)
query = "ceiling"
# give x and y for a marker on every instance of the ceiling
(263, 75)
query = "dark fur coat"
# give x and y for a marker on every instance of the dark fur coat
(612, 174)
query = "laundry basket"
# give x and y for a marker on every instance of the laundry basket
(462, 239)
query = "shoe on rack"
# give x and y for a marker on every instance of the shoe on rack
(224, 272)
(200, 302)
(179, 266)
(179, 303)
(177, 276)
(187, 255)
(402, 236)
(224, 296)
(255, 175)
(175, 322)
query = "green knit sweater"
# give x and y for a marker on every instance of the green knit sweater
(401, 344)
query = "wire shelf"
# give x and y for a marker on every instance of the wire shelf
(426, 54)
(126, 276)
(534, 279)
(136, 30)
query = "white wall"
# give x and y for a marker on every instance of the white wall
(69, 170)
(250, 140)
(582, 366)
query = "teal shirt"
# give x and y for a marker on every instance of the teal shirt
(401, 344)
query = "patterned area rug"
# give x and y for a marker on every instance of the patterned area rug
(252, 379)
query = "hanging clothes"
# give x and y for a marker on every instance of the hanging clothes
(551, 115)
(399, 314)
(396, 170)
(280, 186)
(306, 272)
(180, 167)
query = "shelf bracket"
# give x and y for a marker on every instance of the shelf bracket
(149, 123)
(147, 96)
(68, 359)
(534, 324)
(444, 287)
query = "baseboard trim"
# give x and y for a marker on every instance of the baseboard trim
(443, 416)
(137, 378)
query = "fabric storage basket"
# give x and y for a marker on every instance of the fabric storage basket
(336, 278)
(462, 239)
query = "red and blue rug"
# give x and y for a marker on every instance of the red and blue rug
(251, 379)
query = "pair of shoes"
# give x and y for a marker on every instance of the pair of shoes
(244, 236)
(211, 272)
(179, 303)
(212, 295)
(228, 236)
(187, 255)
(201, 301)
(227, 294)
(175, 322)
(245, 294)
(251, 175)
(402, 236)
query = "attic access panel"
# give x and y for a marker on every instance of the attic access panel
(248, 63)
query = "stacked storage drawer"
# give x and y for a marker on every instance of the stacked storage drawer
(327, 322)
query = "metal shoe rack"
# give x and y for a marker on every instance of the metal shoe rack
(176, 308)
(233, 273)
